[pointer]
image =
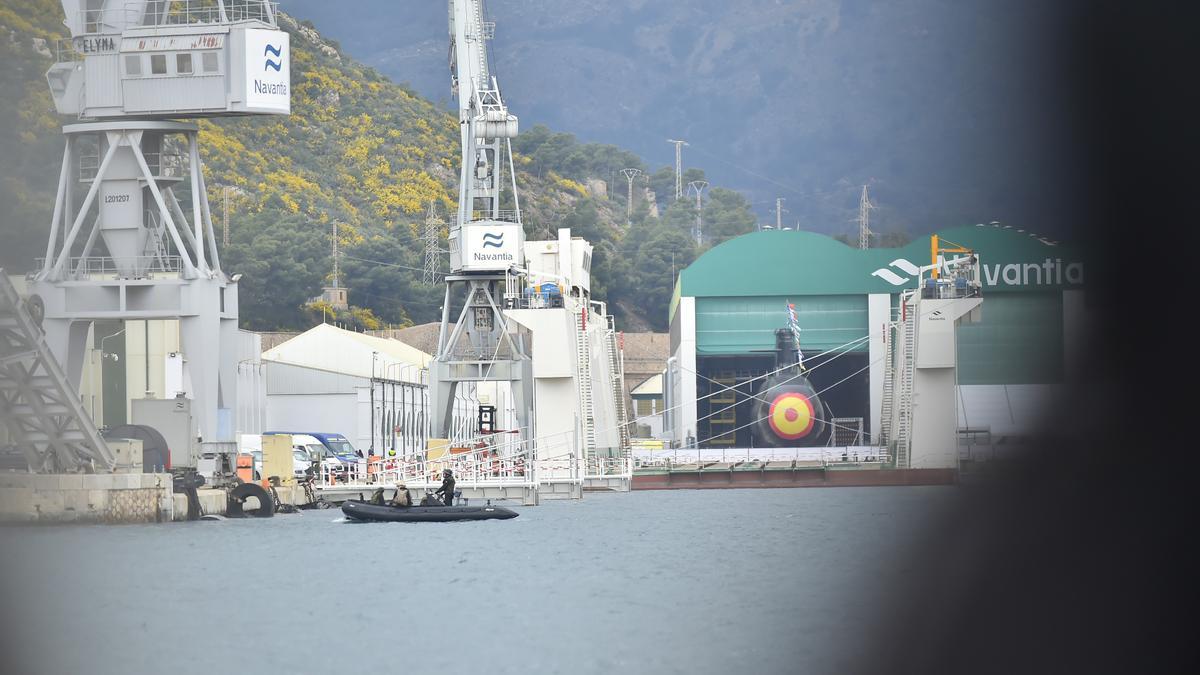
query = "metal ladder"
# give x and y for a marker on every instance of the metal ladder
(906, 366)
(583, 376)
(889, 387)
(616, 369)
(38, 406)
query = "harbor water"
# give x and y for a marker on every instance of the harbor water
(768, 580)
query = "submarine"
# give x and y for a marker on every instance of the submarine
(788, 409)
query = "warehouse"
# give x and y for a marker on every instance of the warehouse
(730, 301)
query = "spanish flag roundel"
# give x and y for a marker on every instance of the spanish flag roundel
(791, 416)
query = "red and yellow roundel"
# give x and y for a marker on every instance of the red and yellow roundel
(791, 416)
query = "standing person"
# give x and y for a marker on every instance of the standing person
(447, 490)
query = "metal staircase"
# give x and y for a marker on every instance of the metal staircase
(908, 328)
(38, 407)
(616, 370)
(583, 378)
(889, 387)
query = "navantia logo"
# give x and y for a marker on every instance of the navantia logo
(278, 53)
(895, 279)
(1050, 272)
(493, 240)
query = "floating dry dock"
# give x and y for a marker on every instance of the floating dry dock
(789, 473)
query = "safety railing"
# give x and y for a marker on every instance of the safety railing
(93, 266)
(504, 215)
(184, 12)
(669, 457)
(609, 467)
(496, 466)
(161, 164)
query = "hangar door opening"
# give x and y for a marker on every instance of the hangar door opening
(735, 349)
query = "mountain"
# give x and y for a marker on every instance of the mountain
(946, 108)
(372, 156)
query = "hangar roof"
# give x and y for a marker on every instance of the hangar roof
(790, 262)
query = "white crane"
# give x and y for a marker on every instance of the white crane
(486, 239)
(131, 235)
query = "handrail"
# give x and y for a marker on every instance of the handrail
(826, 455)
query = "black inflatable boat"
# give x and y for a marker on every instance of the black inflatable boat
(359, 510)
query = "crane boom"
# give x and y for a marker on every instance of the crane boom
(487, 128)
(487, 240)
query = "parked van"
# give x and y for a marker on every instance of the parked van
(332, 450)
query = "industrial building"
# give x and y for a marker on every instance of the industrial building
(368, 389)
(724, 318)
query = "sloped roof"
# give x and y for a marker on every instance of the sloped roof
(422, 336)
(333, 349)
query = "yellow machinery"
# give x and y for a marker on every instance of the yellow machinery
(935, 250)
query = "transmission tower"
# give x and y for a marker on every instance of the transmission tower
(698, 186)
(678, 167)
(864, 220)
(433, 227)
(337, 270)
(225, 215)
(630, 174)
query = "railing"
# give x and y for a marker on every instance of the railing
(503, 215)
(478, 468)
(184, 12)
(669, 457)
(85, 267)
(138, 13)
(162, 165)
(65, 52)
(534, 299)
(609, 467)
(959, 278)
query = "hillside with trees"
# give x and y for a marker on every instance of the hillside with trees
(370, 155)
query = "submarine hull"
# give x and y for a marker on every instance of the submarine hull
(790, 413)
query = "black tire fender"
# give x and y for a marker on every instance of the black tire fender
(238, 496)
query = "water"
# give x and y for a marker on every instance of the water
(774, 581)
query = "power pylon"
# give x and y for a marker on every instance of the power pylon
(864, 220)
(698, 186)
(678, 167)
(433, 228)
(337, 270)
(630, 174)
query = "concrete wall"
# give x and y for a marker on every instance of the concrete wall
(86, 498)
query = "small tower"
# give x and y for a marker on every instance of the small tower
(336, 296)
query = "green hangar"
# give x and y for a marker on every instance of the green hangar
(730, 302)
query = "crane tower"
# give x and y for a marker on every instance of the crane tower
(486, 238)
(131, 236)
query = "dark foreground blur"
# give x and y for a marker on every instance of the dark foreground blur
(1078, 560)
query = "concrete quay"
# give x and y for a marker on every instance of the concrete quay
(86, 498)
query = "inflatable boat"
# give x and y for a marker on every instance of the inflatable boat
(359, 510)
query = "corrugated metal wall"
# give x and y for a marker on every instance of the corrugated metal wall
(197, 92)
(283, 378)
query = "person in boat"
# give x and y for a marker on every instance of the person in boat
(401, 498)
(446, 491)
(377, 497)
